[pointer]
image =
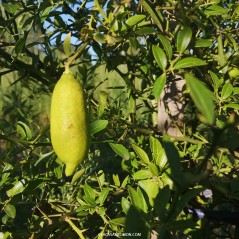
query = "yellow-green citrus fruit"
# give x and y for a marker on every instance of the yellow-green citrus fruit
(69, 122)
(233, 73)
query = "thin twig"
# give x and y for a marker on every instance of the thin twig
(75, 228)
(78, 53)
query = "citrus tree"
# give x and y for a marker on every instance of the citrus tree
(146, 67)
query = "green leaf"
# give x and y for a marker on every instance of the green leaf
(215, 10)
(160, 57)
(183, 39)
(20, 45)
(153, 14)
(151, 188)
(16, 189)
(203, 43)
(116, 180)
(153, 169)
(141, 153)
(232, 105)
(89, 191)
(202, 97)
(216, 82)
(189, 62)
(24, 130)
(137, 198)
(11, 8)
(10, 210)
(125, 182)
(90, 201)
(133, 196)
(166, 45)
(77, 175)
(145, 31)
(125, 204)
(103, 195)
(120, 221)
(67, 44)
(45, 13)
(143, 205)
(155, 147)
(232, 40)
(120, 150)
(159, 86)
(221, 57)
(142, 174)
(161, 159)
(227, 90)
(98, 37)
(97, 126)
(134, 20)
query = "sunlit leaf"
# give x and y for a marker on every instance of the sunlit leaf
(227, 90)
(203, 43)
(142, 174)
(159, 86)
(16, 189)
(202, 97)
(160, 57)
(189, 62)
(166, 45)
(10, 210)
(120, 150)
(24, 130)
(67, 44)
(215, 10)
(141, 153)
(183, 39)
(134, 20)
(97, 126)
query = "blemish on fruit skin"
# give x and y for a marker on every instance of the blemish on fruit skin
(70, 126)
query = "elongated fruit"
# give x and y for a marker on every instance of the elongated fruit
(69, 122)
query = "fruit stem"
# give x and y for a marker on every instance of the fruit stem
(78, 53)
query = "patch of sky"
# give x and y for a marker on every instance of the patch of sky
(68, 19)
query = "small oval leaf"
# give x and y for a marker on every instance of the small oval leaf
(203, 43)
(159, 86)
(10, 210)
(99, 38)
(134, 20)
(160, 57)
(24, 130)
(189, 62)
(142, 174)
(97, 126)
(183, 39)
(120, 150)
(141, 153)
(16, 189)
(227, 90)
(166, 45)
(67, 44)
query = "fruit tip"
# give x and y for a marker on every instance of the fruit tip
(69, 169)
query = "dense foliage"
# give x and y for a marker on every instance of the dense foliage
(136, 178)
